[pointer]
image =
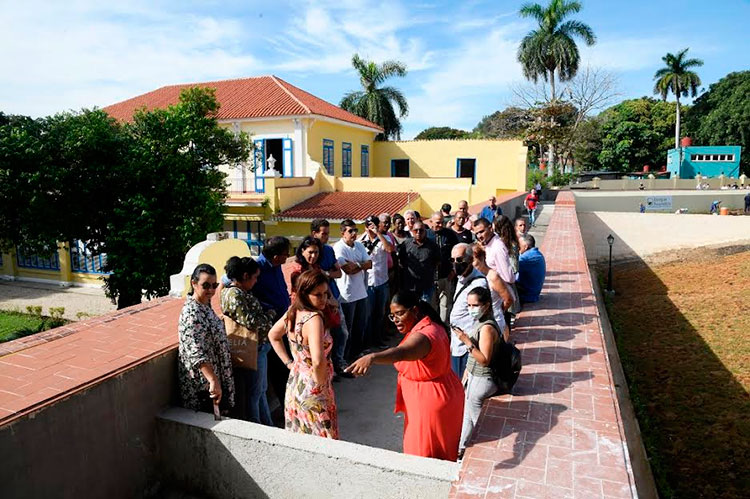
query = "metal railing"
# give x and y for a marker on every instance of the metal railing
(83, 260)
(28, 260)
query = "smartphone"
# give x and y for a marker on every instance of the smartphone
(453, 326)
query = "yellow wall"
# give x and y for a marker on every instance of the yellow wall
(339, 134)
(500, 164)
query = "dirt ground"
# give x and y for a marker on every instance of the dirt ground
(682, 325)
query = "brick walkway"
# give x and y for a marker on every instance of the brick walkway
(55, 364)
(560, 435)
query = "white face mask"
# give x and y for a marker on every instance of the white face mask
(475, 312)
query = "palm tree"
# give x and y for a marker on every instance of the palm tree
(550, 50)
(376, 103)
(677, 78)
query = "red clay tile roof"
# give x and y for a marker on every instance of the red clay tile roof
(354, 205)
(260, 97)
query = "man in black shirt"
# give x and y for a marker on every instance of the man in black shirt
(445, 239)
(419, 258)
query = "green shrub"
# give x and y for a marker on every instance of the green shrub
(34, 310)
(535, 176)
(56, 312)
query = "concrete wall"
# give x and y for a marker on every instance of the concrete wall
(500, 164)
(237, 459)
(339, 133)
(694, 201)
(638, 235)
(99, 442)
(628, 184)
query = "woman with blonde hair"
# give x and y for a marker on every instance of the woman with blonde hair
(309, 405)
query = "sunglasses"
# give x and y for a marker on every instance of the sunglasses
(208, 285)
(352, 231)
(457, 260)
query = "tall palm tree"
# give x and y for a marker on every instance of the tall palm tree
(374, 102)
(677, 78)
(550, 50)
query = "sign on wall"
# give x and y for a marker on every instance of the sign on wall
(659, 203)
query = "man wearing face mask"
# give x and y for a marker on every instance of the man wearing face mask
(460, 318)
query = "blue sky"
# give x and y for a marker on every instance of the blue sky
(461, 55)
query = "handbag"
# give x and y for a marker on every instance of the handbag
(331, 316)
(243, 344)
(505, 365)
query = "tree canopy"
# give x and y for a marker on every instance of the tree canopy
(510, 123)
(442, 132)
(376, 102)
(551, 49)
(635, 133)
(141, 192)
(721, 116)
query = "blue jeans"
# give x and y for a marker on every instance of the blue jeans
(257, 403)
(426, 295)
(458, 364)
(532, 216)
(355, 314)
(340, 335)
(377, 297)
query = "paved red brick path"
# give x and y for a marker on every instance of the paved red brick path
(43, 368)
(560, 435)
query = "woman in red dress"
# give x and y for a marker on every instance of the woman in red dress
(428, 392)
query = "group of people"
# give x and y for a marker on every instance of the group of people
(450, 285)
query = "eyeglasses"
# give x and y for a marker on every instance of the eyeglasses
(399, 314)
(208, 285)
(457, 260)
(352, 231)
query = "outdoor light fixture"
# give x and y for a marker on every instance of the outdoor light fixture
(610, 241)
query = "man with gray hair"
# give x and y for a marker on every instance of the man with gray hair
(531, 270)
(469, 278)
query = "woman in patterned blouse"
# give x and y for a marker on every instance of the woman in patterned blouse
(205, 365)
(240, 305)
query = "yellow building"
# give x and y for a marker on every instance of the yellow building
(326, 164)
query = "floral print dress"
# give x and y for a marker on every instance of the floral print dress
(310, 408)
(202, 338)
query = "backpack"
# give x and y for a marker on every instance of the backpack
(505, 365)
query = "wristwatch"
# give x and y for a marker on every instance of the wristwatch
(471, 347)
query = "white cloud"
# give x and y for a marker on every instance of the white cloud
(63, 56)
(475, 73)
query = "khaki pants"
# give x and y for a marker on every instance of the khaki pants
(442, 299)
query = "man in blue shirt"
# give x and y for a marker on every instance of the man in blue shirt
(271, 291)
(491, 211)
(531, 270)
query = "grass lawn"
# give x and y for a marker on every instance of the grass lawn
(683, 333)
(15, 325)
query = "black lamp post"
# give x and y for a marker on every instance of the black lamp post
(610, 241)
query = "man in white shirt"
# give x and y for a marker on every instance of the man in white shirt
(352, 256)
(498, 260)
(378, 246)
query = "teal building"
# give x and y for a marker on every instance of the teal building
(708, 161)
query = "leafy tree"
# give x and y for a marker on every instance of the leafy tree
(587, 144)
(24, 180)
(510, 123)
(677, 78)
(142, 192)
(635, 133)
(172, 196)
(550, 51)
(442, 132)
(721, 116)
(375, 102)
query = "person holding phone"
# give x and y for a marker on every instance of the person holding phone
(204, 368)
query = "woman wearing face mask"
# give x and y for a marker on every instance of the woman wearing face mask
(481, 343)
(428, 391)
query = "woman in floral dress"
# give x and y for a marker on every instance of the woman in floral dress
(204, 369)
(309, 406)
